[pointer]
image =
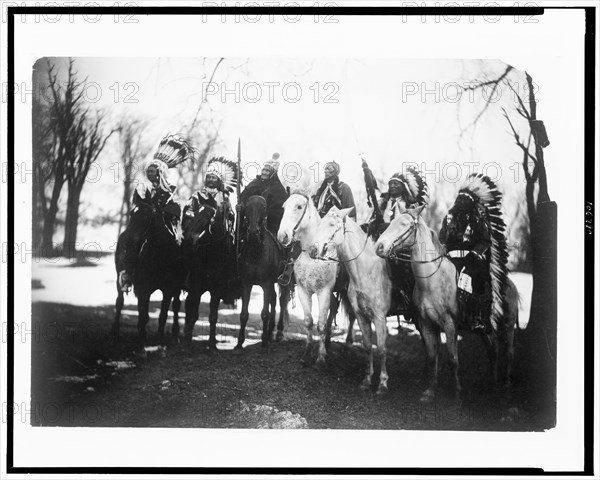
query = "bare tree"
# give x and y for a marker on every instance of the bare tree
(65, 107)
(538, 353)
(133, 150)
(44, 145)
(90, 140)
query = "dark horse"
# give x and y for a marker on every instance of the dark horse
(260, 263)
(148, 257)
(210, 255)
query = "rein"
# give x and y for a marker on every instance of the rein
(328, 259)
(405, 255)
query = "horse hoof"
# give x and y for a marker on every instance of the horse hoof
(365, 386)
(382, 390)
(238, 350)
(279, 337)
(320, 362)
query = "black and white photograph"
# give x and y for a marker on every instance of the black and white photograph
(229, 227)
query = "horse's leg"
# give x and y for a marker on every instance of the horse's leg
(213, 316)
(431, 340)
(510, 354)
(324, 327)
(492, 345)
(452, 345)
(381, 332)
(351, 317)
(283, 312)
(334, 306)
(143, 315)
(116, 327)
(162, 317)
(272, 310)
(192, 303)
(365, 328)
(306, 302)
(176, 307)
(246, 290)
(265, 314)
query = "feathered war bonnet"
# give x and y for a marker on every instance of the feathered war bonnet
(483, 192)
(225, 170)
(414, 183)
(172, 151)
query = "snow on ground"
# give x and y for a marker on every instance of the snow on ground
(94, 285)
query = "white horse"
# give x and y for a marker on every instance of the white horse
(436, 300)
(300, 222)
(370, 288)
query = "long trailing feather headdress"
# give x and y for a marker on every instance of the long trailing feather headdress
(173, 150)
(225, 170)
(486, 195)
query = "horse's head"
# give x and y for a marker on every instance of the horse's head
(295, 217)
(198, 224)
(400, 234)
(255, 216)
(140, 220)
(330, 234)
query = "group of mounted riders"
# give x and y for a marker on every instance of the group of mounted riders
(465, 232)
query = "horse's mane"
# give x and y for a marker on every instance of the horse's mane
(425, 230)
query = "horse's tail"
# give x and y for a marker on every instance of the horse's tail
(345, 302)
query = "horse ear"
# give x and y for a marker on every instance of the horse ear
(419, 210)
(334, 209)
(344, 212)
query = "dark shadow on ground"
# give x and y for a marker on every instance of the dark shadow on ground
(81, 377)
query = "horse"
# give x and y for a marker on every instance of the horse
(301, 222)
(210, 260)
(435, 297)
(148, 257)
(370, 288)
(260, 263)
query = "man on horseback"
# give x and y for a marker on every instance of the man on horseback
(333, 192)
(405, 190)
(269, 186)
(468, 235)
(219, 181)
(157, 194)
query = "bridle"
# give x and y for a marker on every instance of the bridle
(301, 216)
(341, 224)
(207, 228)
(404, 254)
(261, 226)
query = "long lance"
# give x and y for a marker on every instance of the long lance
(371, 185)
(238, 190)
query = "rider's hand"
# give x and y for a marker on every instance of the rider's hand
(238, 208)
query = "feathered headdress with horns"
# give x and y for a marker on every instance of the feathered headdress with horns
(225, 170)
(484, 192)
(415, 183)
(173, 150)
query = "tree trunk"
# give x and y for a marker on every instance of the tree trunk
(47, 246)
(39, 210)
(71, 221)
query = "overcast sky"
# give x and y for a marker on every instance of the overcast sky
(315, 110)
